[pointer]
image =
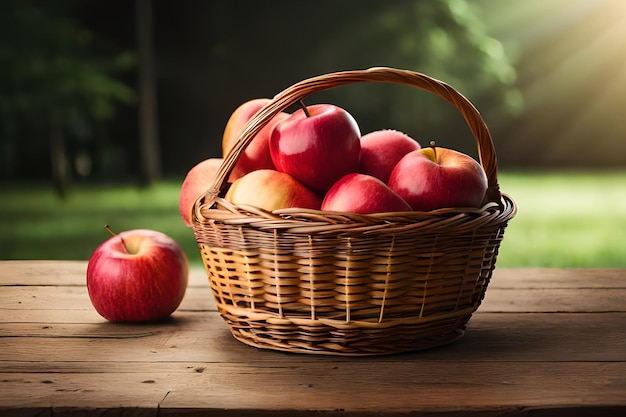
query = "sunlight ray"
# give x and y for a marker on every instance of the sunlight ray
(572, 77)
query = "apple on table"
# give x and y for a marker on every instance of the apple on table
(364, 194)
(257, 153)
(317, 145)
(137, 276)
(434, 177)
(382, 149)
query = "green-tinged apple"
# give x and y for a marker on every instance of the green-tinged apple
(382, 149)
(271, 190)
(317, 145)
(434, 177)
(364, 194)
(257, 153)
(197, 181)
(137, 276)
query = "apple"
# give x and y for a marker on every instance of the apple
(432, 178)
(317, 145)
(362, 193)
(382, 149)
(271, 190)
(257, 153)
(197, 181)
(137, 276)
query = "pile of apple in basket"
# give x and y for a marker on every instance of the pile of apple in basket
(317, 158)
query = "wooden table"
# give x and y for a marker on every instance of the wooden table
(544, 342)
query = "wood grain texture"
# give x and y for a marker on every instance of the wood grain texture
(544, 342)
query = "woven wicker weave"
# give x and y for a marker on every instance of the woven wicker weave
(323, 282)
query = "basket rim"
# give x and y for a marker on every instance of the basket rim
(297, 221)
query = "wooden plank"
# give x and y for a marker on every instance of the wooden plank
(15, 302)
(73, 273)
(558, 278)
(43, 272)
(198, 337)
(70, 273)
(416, 387)
(74, 298)
(554, 300)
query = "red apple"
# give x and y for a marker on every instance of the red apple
(137, 276)
(382, 149)
(197, 181)
(271, 190)
(433, 177)
(317, 147)
(365, 194)
(257, 153)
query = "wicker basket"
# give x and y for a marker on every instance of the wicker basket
(323, 282)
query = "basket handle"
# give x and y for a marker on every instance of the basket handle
(298, 91)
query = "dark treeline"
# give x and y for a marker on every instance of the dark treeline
(69, 78)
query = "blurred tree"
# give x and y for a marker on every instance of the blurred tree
(150, 151)
(445, 39)
(58, 82)
(225, 52)
(61, 67)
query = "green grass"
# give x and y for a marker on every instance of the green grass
(563, 220)
(36, 224)
(566, 220)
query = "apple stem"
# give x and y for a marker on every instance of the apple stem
(432, 145)
(108, 229)
(304, 109)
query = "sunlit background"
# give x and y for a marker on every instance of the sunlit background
(570, 57)
(547, 76)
